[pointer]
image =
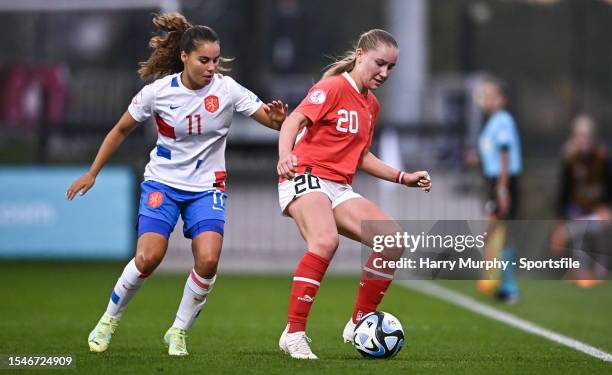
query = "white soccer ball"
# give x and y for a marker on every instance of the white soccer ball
(378, 335)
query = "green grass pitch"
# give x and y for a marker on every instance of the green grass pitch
(49, 308)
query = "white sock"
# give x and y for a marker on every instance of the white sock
(194, 298)
(128, 284)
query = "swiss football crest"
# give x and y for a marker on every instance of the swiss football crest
(211, 103)
(155, 199)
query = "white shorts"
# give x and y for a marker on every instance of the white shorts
(303, 184)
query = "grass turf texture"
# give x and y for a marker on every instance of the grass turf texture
(50, 308)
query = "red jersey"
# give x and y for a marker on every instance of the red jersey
(342, 127)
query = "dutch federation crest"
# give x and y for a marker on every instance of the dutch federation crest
(155, 199)
(211, 103)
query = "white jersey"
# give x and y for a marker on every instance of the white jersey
(192, 129)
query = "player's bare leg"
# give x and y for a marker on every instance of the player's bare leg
(150, 250)
(349, 217)
(313, 215)
(206, 248)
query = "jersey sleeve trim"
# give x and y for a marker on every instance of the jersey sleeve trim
(250, 113)
(243, 100)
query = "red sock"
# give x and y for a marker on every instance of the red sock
(306, 281)
(372, 287)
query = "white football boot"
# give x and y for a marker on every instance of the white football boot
(296, 345)
(101, 335)
(348, 332)
(175, 339)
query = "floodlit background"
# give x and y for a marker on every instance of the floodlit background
(68, 71)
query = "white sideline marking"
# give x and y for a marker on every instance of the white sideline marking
(468, 303)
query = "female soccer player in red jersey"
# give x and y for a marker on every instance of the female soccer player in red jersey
(193, 105)
(322, 143)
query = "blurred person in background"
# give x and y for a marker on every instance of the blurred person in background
(585, 193)
(499, 152)
(193, 105)
(322, 144)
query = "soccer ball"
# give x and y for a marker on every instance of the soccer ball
(378, 335)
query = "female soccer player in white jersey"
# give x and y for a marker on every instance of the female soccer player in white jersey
(192, 104)
(335, 123)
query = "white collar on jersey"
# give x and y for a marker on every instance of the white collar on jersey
(350, 80)
(180, 82)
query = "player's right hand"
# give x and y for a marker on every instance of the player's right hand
(418, 179)
(286, 166)
(80, 186)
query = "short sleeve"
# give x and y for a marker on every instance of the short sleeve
(321, 98)
(141, 106)
(503, 136)
(244, 101)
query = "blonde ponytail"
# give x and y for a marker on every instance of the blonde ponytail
(344, 64)
(367, 41)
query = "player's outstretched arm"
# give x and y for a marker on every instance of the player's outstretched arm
(112, 140)
(272, 114)
(373, 166)
(289, 131)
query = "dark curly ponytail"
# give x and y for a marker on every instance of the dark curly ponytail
(181, 36)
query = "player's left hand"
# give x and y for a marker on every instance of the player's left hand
(277, 111)
(418, 179)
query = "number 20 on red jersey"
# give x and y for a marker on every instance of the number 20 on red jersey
(348, 121)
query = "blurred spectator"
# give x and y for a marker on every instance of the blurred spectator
(586, 177)
(585, 194)
(35, 93)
